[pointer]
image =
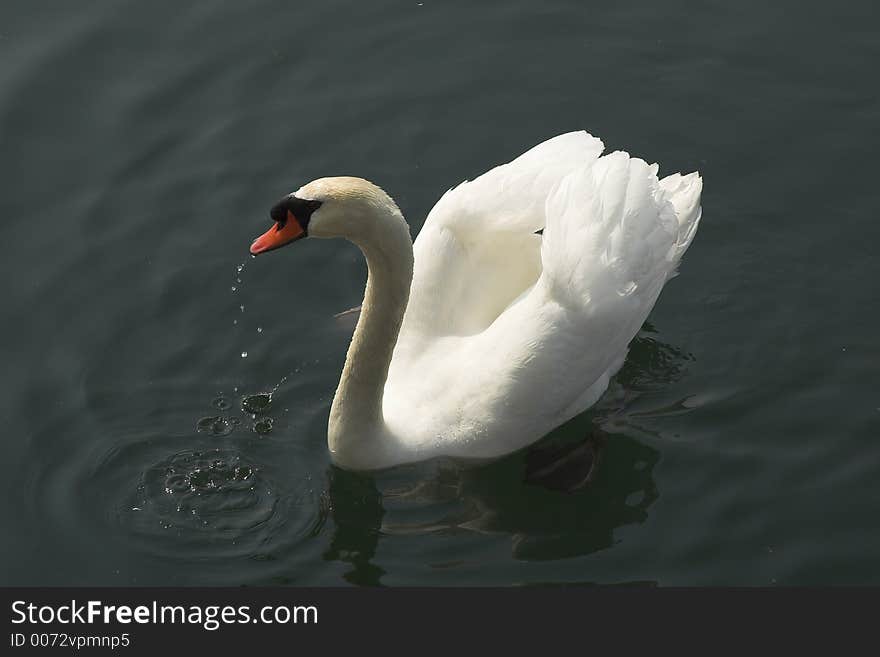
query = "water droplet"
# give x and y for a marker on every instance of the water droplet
(241, 308)
(259, 329)
(221, 403)
(239, 268)
(244, 354)
(234, 288)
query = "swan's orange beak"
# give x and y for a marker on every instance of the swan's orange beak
(278, 235)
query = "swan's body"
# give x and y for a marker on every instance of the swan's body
(484, 335)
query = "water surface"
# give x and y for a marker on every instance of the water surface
(165, 398)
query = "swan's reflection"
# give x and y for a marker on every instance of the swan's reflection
(545, 517)
(356, 507)
(563, 497)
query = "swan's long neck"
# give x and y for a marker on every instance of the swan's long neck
(356, 413)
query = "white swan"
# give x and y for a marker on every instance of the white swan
(485, 335)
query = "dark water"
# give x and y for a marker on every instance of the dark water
(141, 146)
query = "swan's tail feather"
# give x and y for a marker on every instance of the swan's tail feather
(606, 233)
(684, 192)
(615, 234)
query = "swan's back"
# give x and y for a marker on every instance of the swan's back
(509, 332)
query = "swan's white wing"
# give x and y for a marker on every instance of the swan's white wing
(478, 250)
(613, 235)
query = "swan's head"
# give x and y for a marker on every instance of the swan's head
(352, 208)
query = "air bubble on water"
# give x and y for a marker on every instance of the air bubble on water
(244, 354)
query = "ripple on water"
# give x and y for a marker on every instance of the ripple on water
(257, 404)
(179, 489)
(214, 502)
(221, 403)
(217, 425)
(263, 426)
(213, 490)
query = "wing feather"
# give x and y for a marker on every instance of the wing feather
(508, 334)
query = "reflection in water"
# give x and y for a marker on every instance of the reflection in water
(544, 520)
(567, 466)
(651, 364)
(356, 507)
(563, 497)
(547, 523)
(545, 517)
